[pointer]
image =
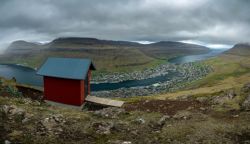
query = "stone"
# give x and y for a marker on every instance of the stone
(134, 132)
(140, 121)
(111, 112)
(235, 116)
(58, 118)
(184, 97)
(219, 100)
(16, 111)
(163, 120)
(246, 104)
(183, 115)
(27, 117)
(103, 128)
(25, 120)
(36, 103)
(51, 125)
(231, 94)
(12, 110)
(246, 88)
(121, 126)
(27, 101)
(119, 142)
(202, 99)
(48, 124)
(202, 108)
(126, 142)
(7, 142)
(5, 109)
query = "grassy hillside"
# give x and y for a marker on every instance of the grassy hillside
(204, 119)
(231, 70)
(104, 60)
(240, 50)
(107, 55)
(232, 64)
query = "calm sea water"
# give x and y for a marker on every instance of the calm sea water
(194, 58)
(26, 75)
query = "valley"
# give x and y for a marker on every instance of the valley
(208, 102)
(125, 72)
(108, 56)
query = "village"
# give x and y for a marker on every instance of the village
(183, 74)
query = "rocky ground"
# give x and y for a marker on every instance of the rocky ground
(218, 118)
(184, 74)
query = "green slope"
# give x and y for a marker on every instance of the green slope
(107, 55)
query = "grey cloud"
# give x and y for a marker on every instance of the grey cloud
(212, 21)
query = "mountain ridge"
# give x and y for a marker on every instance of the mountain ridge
(106, 54)
(92, 41)
(241, 49)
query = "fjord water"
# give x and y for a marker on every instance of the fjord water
(194, 58)
(26, 75)
(22, 74)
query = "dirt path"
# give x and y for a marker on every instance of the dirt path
(169, 107)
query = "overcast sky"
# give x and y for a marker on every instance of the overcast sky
(201, 21)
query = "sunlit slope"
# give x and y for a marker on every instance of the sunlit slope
(230, 70)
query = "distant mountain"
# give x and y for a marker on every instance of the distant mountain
(72, 43)
(241, 49)
(22, 47)
(167, 49)
(90, 41)
(106, 54)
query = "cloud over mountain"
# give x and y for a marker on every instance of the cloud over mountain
(212, 21)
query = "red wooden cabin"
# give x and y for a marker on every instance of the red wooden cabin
(66, 80)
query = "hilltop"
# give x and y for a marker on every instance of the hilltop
(107, 55)
(168, 49)
(241, 49)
